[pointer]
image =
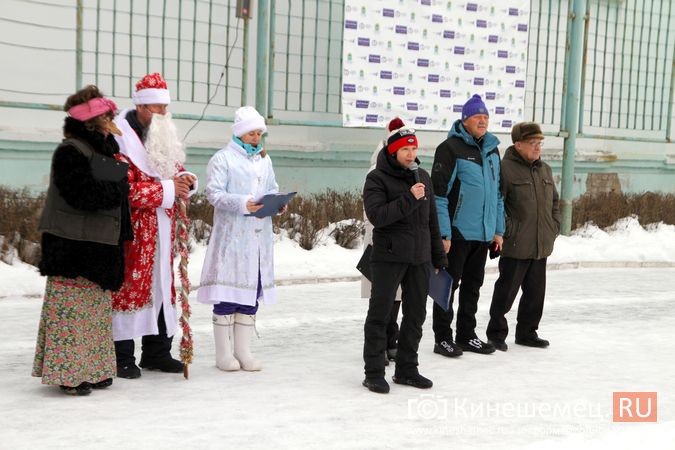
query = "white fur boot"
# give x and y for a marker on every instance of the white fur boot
(244, 329)
(223, 329)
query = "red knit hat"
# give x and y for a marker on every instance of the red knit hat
(399, 136)
(150, 90)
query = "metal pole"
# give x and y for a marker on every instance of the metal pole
(78, 45)
(270, 76)
(244, 66)
(574, 56)
(262, 57)
(669, 123)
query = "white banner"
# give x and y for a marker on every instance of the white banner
(421, 60)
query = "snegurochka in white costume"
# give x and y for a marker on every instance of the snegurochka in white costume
(238, 270)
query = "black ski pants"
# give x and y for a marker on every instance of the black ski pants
(466, 265)
(414, 281)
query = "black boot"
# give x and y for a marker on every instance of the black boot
(79, 390)
(414, 380)
(126, 363)
(376, 384)
(156, 350)
(102, 384)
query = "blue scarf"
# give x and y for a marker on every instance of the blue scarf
(250, 149)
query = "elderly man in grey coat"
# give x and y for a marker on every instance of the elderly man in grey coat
(532, 224)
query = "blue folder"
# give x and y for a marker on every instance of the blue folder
(272, 203)
(440, 286)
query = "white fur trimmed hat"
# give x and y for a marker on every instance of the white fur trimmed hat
(247, 119)
(150, 90)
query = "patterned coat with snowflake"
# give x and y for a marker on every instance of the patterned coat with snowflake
(148, 274)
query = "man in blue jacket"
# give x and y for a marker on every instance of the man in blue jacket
(470, 210)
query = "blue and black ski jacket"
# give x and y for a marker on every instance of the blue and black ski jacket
(465, 178)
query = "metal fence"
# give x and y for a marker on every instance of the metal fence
(204, 51)
(627, 74)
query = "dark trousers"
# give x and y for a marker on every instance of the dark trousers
(530, 274)
(414, 281)
(153, 347)
(466, 264)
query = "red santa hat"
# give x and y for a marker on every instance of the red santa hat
(151, 90)
(399, 136)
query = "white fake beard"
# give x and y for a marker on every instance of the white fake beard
(165, 150)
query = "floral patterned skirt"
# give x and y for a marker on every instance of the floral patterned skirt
(74, 342)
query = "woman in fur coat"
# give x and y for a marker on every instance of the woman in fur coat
(83, 224)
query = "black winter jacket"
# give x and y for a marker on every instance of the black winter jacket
(405, 229)
(71, 171)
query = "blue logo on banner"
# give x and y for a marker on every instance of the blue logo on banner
(499, 110)
(349, 88)
(457, 108)
(502, 54)
(401, 29)
(445, 93)
(468, 66)
(490, 96)
(362, 103)
(386, 12)
(365, 42)
(472, 7)
(510, 69)
(437, 18)
(351, 24)
(374, 58)
(513, 11)
(399, 90)
(426, 2)
(371, 117)
(520, 83)
(422, 62)
(411, 106)
(478, 81)
(433, 78)
(481, 23)
(420, 120)
(447, 34)
(493, 39)
(507, 124)
(385, 74)
(413, 46)
(459, 51)
(522, 27)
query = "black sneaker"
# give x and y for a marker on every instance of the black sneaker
(533, 341)
(475, 345)
(447, 348)
(378, 385)
(415, 380)
(79, 390)
(167, 364)
(102, 384)
(499, 345)
(130, 371)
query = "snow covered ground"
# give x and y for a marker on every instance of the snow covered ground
(610, 327)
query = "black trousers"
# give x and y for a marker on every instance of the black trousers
(528, 274)
(153, 347)
(466, 264)
(414, 281)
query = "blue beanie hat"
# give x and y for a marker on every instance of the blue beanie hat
(474, 106)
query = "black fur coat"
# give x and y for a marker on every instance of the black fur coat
(71, 172)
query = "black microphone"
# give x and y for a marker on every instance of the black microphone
(413, 168)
